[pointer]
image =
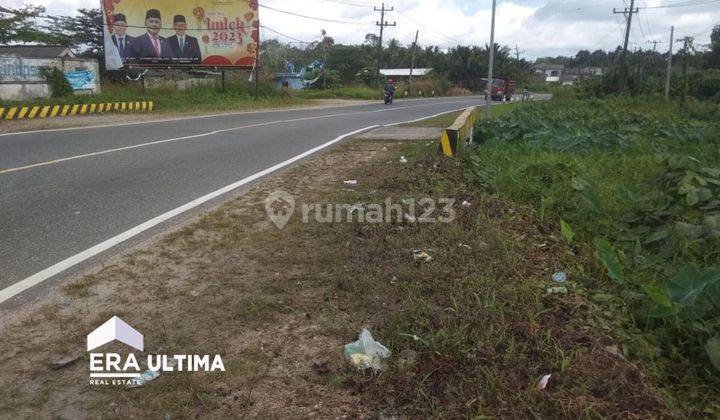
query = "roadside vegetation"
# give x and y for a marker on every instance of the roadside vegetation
(632, 189)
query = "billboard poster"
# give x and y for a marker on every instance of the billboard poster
(197, 33)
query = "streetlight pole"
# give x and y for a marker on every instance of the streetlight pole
(488, 99)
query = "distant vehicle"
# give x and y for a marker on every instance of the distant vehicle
(389, 97)
(502, 88)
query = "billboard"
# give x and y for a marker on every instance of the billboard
(180, 32)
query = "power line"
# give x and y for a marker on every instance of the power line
(352, 3)
(344, 22)
(681, 4)
(282, 34)
(448, 38)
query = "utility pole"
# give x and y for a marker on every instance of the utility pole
(491, 58)
(683, 96)
(629, 14)
(669, 65)
(382, 24)
(412, 62)
(655, 45)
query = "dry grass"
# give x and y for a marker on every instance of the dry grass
(278, 305)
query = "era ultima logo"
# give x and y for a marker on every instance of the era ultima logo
(114, 369)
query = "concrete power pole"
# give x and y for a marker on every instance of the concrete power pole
(623, 64)
(412, 62)
(382, 24)
(687, 40)
(491, 58)
(669, 65)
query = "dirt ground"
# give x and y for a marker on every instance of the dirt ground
(118, 118)
(279, 304)
(229, 283)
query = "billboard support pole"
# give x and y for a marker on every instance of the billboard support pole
(257, 72)
(222, 80)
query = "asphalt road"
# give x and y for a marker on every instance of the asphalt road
(84, 192)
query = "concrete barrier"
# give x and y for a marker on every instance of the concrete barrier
(50, 111)
(459, 134)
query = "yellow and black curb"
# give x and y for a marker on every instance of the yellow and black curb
(49, 111)
(459, 134)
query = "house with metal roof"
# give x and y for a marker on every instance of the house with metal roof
(404, 74)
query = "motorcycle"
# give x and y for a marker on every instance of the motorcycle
(388, 98)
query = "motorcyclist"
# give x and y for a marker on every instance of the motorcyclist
(390, 87)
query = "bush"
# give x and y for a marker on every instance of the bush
(59, 86)
(706, 85)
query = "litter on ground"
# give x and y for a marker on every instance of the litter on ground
(559, 277)
(366, 353)
(422, 255)
(543, 382)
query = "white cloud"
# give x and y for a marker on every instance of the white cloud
(538, 27)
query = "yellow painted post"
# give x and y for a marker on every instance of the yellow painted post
(11, 113)
(74, 109)
(22, 113)
(83, 109)
(65, 110)
(55, 110)
(445, 144)
(33, 111)
(2, 110)
(44, 111)
(92, 108)
(150, 105)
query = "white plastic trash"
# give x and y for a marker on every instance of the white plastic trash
(366, 353)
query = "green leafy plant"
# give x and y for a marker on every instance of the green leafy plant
(59, 86)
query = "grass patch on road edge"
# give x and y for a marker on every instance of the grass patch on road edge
(473, 330)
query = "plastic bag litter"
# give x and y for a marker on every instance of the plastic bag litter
(465, 203)
(147, 376)
(543, 382)
(559, 277)
(403, 160)
(366, 353)
(562, 290)
(350, 182)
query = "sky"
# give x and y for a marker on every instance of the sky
(538, 28)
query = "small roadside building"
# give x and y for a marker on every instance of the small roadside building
(289, 80)
(404, 74)
(20, 66)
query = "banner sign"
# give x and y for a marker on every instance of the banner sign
(198, 33)
(81, 80)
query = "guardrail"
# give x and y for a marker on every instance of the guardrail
(459, 134)
(50, 111)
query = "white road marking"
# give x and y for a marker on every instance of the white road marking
(194, 117)
(39, 277)
(209, 133)
(63, 265)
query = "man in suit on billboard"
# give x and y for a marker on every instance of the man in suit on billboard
(121, 39)
(151, 47)
(185, 48)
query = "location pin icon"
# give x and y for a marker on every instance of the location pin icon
(279, 206)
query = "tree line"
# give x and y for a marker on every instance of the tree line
(357, 63)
